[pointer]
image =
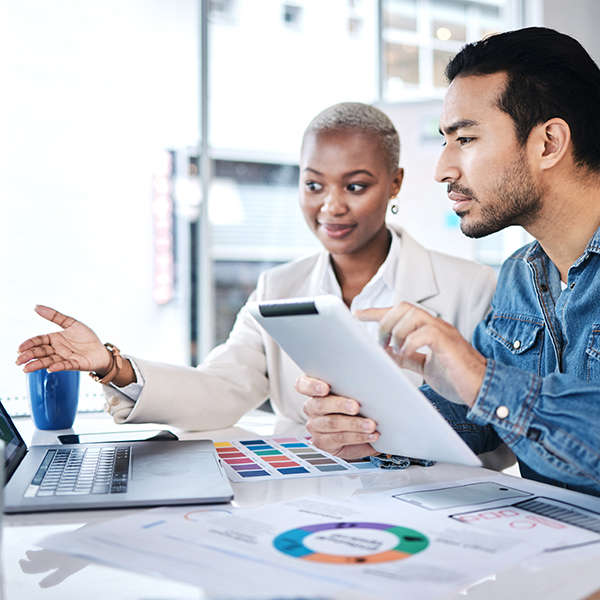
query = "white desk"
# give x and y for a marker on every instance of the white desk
(30, 573)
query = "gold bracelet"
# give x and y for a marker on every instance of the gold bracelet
(115, 367)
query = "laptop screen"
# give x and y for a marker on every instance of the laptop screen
(15, 447)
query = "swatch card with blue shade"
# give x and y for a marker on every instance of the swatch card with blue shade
(281, 458)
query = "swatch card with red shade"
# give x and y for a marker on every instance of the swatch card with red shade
(282, 457)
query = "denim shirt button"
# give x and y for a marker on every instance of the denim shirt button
(502, 412)
(517, 344)
(572, 285)
(544, 287)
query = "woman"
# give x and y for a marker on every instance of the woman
(349, 176)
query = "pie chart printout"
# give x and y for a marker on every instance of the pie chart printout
(351, 542)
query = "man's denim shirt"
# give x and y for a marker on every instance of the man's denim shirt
(541, 390)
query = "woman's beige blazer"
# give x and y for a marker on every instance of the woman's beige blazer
(249, 367)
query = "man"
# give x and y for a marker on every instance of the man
(521, 124)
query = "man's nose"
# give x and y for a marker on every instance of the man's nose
(446, 171)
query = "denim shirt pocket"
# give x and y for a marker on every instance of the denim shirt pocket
(519, 340)
(593, 355)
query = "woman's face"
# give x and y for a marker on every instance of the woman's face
(345, 187)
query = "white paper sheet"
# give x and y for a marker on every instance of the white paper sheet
(421, 542)
(311, 546)
(563, 525)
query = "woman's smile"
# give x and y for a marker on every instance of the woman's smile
(336, 230)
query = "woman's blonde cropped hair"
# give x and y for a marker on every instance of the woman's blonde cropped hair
(359, 117)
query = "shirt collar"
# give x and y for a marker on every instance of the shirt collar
(534, 249)
(386, 272)
(594, 243)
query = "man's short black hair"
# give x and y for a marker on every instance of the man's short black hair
(549, 74)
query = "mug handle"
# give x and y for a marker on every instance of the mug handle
(50, 385)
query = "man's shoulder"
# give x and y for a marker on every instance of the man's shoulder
(526, 251)
(516, 291)
(517, 261)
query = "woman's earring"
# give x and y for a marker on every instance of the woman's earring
(394, 205)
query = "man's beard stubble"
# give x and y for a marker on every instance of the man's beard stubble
(516, 200)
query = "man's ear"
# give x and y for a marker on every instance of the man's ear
(552, 142)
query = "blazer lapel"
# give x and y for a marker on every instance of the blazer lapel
(415, 277)
(314, 281)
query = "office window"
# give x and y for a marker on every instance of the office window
(298, 58)
(256, 224)
(402, 62)
(223, 11)
(96, 92)
(354, 26)
(234, 282)
(355, 20)
(292, 14)
(449, 21)
(400, 15)
(440, 60)
(419, 37)
(222, 7)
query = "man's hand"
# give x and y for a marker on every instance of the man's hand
(76, 348)
(450, 365)
(332, 421)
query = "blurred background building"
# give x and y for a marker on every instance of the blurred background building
(100, 150)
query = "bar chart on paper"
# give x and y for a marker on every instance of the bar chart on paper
(281, 458)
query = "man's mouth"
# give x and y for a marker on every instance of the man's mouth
(460, 199)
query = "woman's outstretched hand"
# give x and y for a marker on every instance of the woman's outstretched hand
(75, 348)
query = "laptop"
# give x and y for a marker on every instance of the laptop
(112, 475)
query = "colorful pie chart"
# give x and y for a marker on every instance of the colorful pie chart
(351, 542)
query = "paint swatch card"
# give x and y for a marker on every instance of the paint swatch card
(282, 457)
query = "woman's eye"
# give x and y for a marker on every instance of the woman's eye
(355, 187)
(313, 186)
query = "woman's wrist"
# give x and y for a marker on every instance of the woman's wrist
(126, 375)
(109, 363)
(119, 371)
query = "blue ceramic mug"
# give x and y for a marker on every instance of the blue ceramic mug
(53, 398)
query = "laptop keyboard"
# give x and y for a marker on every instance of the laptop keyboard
(76, 471)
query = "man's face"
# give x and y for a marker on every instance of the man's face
(488, 174)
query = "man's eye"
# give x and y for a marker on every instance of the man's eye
(313, 186)
(355, 187)
(464, 140)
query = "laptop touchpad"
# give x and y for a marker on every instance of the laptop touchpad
(151, 466)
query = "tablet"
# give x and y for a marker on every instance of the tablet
(323, 338)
